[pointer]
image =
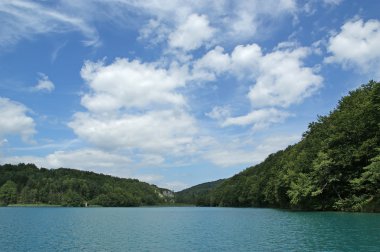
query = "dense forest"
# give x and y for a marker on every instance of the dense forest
(27, 184)
(335, 166)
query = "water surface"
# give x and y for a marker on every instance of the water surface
(185, 229)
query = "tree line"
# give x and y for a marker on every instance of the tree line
(27, 184)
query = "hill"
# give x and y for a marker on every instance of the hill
(197, 195)
(27, 184)
(336, 165)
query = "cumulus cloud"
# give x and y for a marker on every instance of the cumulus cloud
(211, 64)
(131, 84)
(231, 155)
(356, 46)
(135, 106)
(283, 80)
(157, 131)
(280, 77)
(192, 34)
(280, 80)
(15, 120)
(246, 60)
(44, 84)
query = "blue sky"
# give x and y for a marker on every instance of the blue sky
(174, 93)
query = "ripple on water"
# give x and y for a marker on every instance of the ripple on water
(185, 229)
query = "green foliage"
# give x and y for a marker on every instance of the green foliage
(26, 184)
(197, 195)
(8, 193)
(366, 190)
(336, 165)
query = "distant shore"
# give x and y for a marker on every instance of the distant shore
(91, 206)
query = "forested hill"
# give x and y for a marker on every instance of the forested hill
(197, 195)
(336, 165)
(27, 184)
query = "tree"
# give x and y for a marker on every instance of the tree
(8, 193)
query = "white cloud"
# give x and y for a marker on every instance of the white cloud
(219, 113)
(192, 34)
(44, 84)
(232, 155)
(154, 31)
(57, 50)
(280, 77)
(248, 17)
(83, 159)
(3, 142)
(244, 25)
(174, 185)
(15, 120)
(163, 131)
(127, 84)
(231, 20)
(283, 80)
(260, 119)
(356, 46)
(332, 2)
(211, 64)
(242, 62)
(246, 60)
(147, 160)
(149, 178)
(280, 80)
(23, 19)
(86, 159)
(160, 180)
(184, 24)
(135, 106)
(311, 7)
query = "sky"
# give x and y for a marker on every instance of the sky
(174, 93)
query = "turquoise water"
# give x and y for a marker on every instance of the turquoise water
(185, 229)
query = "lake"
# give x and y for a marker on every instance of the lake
(185, 229)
